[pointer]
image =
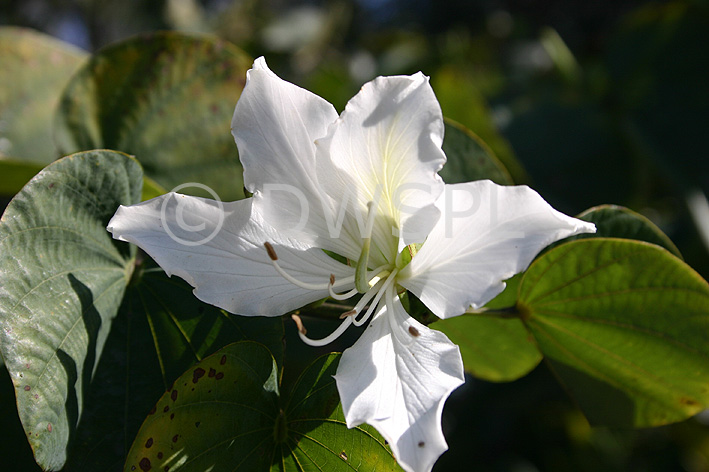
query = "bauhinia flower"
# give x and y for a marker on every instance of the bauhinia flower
(353, 206)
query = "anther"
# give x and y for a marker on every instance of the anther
(299, 324)
(271, 252)
(348, 313)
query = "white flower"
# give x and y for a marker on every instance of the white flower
(363, 186)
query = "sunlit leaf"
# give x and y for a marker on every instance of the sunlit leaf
(624, 325)
(35, 69)
(166, 98)
(494, 348)
(63, 278)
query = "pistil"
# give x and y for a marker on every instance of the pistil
(361, 282)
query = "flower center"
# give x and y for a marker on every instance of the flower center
(372, 284)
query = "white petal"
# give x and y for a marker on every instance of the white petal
(486, 234)
(275, 126)
(219, 249)
(387, 141)
(398, 382)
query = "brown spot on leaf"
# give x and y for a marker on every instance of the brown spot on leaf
(173, 395)
(197, 374)
(212, 372)
(149, 443)
(172, 416)
(688, 401)
(174, 438)
(49, 427)
(219, 376)
(166, 409)
(196, 425)
(414, 332)
(145, 464)
(160, 455)
(27, 388)
(222, 361)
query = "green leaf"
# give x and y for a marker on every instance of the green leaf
(469, 158)
(15, 174)
(624, 325)
(614, 221)
(151, 189)
(166, 98)
(219, 415)
(226, 414)
(317, 435)
(63, 278)
(35, 69)
(162, 329)
(13, 445)
(494, 348)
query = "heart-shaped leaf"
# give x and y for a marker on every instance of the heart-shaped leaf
(624, 324)
(227, 414)
(166, 98)
(35, 69)
(317, 435)
(494, 348)
(161, 330)
(63, 279)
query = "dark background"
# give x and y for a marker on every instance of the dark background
(599, 101)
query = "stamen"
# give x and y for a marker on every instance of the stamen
(386, 287)
(295, 281)
(308, 286)
(366, 298)
(342, 296)
(347, 295)
(326, 340)
(299, 324)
